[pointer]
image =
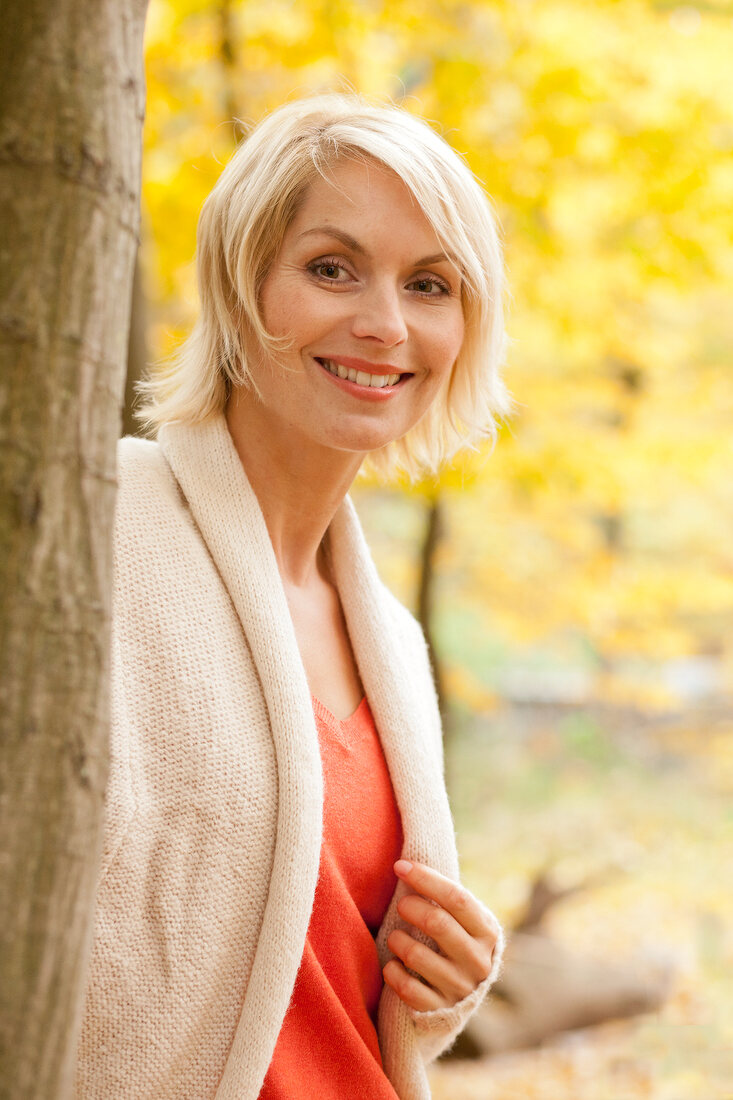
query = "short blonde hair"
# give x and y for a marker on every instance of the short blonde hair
(240, 231)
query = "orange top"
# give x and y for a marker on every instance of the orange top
(327, 1048)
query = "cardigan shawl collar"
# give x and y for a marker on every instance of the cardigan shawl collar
(208, 470)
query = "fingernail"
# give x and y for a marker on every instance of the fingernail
(403, 867)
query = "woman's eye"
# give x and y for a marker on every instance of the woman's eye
(431, 287)
(329, 270)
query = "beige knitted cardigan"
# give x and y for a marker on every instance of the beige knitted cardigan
(214, 803)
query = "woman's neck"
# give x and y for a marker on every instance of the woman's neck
(299, 485)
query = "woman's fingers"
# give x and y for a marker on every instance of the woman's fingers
(446, 978)
(474, 955)
(411, 990)
(463, 929)
(451, 896)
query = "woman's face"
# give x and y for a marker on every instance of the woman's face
(372, 307)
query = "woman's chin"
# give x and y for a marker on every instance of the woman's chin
(362, 443)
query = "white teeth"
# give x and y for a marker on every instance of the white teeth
(375, 381)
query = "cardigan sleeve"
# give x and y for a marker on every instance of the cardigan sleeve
(439, 1028)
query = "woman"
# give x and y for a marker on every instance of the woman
(276, 742)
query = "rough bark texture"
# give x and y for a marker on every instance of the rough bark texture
(71, 106)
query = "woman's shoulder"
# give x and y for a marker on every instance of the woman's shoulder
(141, 462)
(138, 457)
(146, 487)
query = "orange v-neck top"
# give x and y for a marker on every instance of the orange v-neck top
(327, 1048)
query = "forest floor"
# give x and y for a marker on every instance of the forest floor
(644, 801)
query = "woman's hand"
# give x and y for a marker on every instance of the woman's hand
(463, 930)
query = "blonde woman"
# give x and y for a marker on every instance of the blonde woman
(279, 913)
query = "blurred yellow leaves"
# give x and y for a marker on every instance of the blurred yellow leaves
(604, 134)
(589, 558)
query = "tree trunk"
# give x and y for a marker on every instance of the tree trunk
(137, 351)
(426, 590)
(230, 65)
(71, 107)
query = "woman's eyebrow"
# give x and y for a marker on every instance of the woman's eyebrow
(353, 244)
(437, 258)
(332, 231)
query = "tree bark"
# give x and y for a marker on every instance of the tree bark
(71, 108)
(426, 591)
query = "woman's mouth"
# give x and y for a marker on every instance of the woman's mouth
(364, 379)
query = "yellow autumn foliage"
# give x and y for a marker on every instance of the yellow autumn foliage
(589, 558)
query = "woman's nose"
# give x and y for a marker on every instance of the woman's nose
(379, 314)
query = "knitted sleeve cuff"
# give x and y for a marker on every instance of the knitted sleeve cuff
(438, 1028)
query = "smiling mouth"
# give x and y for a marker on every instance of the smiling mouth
(362, 378)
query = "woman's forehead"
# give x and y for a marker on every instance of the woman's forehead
(360, 203)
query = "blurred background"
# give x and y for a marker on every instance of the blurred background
(577, 583)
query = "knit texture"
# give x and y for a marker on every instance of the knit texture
(214, 806)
